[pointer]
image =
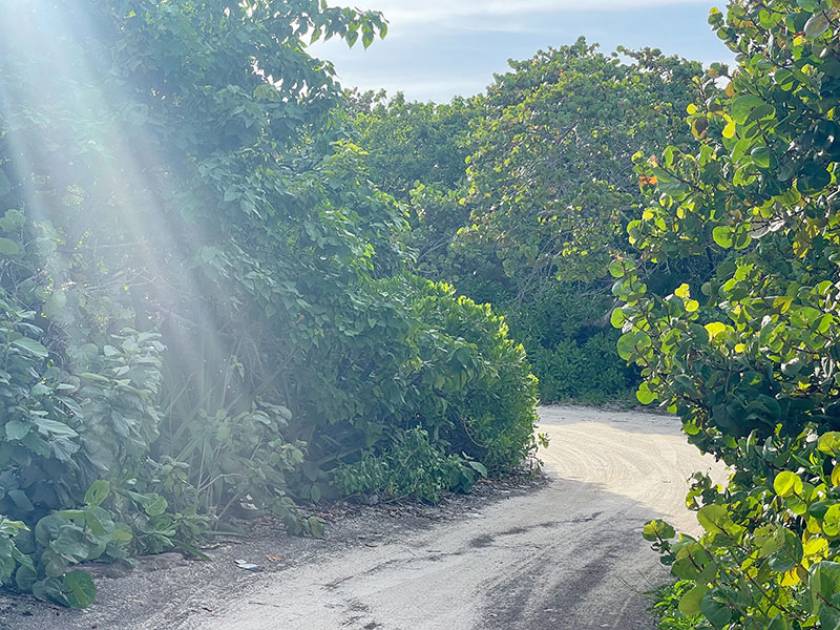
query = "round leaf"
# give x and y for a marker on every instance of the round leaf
(8, 247)
(787, 483)
(79, 589)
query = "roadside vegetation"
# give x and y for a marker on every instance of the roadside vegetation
(522, 196)
(747, 353)
(205, 305)
(228, 286)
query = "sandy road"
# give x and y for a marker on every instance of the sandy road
(569, 556)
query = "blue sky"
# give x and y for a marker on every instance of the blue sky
(439, 48)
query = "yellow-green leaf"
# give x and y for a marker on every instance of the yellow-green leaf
(729, 129)
(829, 443)
(714, 329)
(787, 483)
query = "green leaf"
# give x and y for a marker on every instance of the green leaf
(616, 268)
(690, 602)
(716, 609)
(79, 589)
(657, 529)
(816, 25)
(761, 157)
(97, 492)
(831, 520)
(8, 247)
(315, 526)
(629, 344)
(47, 528)
(644, 395)
(715, 519)
(743, 106)
(20, 500)
(787, 483)
(714, 329)
(50, 589)
(789, 553)
(367, 38)
(17, 430)
(813, 179)
(829, 443)
(823, 583)
(723, 236)
(480, 468)
(153, 504)
(25, 577)
(55, 428)
(32, 346)
(122, 534)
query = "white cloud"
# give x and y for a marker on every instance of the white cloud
(441, 11)
(438, 48)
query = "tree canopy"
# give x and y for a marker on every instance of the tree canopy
(205, 305)
(746, 355)
(521, 196)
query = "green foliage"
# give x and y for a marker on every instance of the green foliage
(407, 143)
(416, 152)
(458, 376)
(411, 467)
(747, 354)
(550, 181)
(238, 458)
(484, 395)
(571, 345)
(204, 302)
(550, 191)
(532, 183)
(667, 611)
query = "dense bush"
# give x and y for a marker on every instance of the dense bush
(551, 185)
(410, 467)
(204, 303)
(571, 345)
(417, 153)
(748, 354)
(519, 197)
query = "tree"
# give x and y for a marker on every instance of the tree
(551, 189)
(551, 183)
(203, 298)
(416, 152)
(747, 355)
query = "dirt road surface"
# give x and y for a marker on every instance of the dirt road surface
(562, 555)
(569, 556)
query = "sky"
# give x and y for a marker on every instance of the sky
(436, 49)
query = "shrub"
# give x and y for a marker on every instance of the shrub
(746, 354)
(480, 382)
(191, 320)
(568, 339)
(410, 467)
(445, 365)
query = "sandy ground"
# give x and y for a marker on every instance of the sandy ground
(568, 555)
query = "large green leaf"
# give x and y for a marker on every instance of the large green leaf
(79, 589)
(17, 429)
(97, 492)
(8, 247)
(32, 346)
